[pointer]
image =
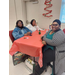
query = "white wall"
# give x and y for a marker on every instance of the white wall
(32, 11)
(20, 10)
(12, 14)
(35, 11)
(44, 21)
(17, 11)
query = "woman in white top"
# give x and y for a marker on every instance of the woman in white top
(33, 26)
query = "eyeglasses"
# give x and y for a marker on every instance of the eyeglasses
(54, 24)
(19, 23)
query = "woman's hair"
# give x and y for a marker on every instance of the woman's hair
(32, 21)
(58, 21)
(21, 22)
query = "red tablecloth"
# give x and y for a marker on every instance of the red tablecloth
(32, 45)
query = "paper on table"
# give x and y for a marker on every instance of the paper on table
(26, 37)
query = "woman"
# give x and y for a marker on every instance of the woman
(20, 30)
(53, 38)
(33, 26)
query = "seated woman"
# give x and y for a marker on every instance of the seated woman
(33, 26)
(53, 38)
(20, 30)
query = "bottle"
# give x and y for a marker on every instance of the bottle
(39, 32)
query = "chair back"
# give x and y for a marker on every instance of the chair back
(11, 36)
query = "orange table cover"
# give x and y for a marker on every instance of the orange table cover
(31, 45)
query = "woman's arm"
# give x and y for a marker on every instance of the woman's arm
(28, 30)
(58, 38)
(31, 27)
(44, 35)
(37, 27)
(16, 34)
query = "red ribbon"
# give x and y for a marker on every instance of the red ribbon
(48, 3)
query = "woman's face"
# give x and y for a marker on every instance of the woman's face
(19, 24)
(55, 26)
(34, 23)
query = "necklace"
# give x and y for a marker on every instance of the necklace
(51, 32)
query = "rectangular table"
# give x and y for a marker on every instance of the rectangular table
(30, 45)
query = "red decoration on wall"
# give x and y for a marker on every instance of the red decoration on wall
(48, 3)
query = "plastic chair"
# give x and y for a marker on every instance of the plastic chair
(64, 30)
(10, 35)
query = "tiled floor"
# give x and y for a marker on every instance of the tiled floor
(20, 68)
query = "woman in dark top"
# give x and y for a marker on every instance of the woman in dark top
(53, 38)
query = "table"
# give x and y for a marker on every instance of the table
(30, 45)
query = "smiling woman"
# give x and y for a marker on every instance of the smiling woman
(53, 50)
(19, 24)
(56, 25)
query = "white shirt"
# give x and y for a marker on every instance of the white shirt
(33, 28)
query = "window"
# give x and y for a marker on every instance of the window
(62, 12)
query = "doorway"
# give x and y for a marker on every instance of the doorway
(32, 11)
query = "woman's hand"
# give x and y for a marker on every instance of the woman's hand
(35, 24)
(28, 33)
(43, 42)
(41, 37)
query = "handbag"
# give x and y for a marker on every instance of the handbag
(19, 57)
(30, 65)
